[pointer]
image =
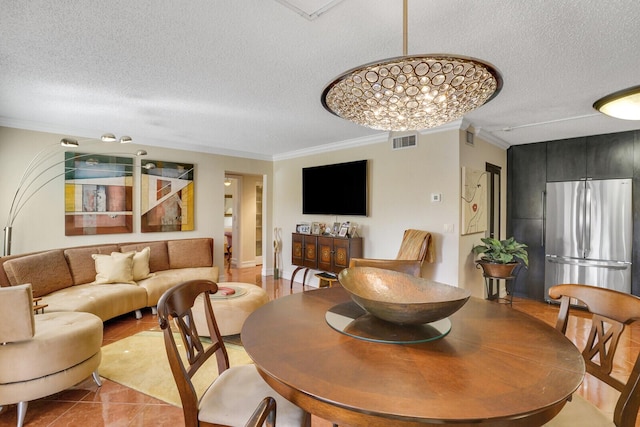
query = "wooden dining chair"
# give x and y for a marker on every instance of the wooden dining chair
(610, 312)
(233, 395)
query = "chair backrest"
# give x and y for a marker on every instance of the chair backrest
(416, 245)
(411, 267)
(611, 311)
(175, 306)
(16, 305)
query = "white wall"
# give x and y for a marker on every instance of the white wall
(401, 184)
(41, 224)
(476, 157)
(400, 187)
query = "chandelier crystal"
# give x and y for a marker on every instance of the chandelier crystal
(412, 92)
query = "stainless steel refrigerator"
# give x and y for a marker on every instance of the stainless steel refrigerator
(588, 233)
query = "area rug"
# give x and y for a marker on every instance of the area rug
(140, 362)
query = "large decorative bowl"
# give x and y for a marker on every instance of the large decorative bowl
(401, 298)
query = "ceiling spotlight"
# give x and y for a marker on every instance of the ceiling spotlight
(141, 153)
(125, 140)
(227, 182)
(149, 166)
(108, 137)
(624, 104)
(412, 92)
(69, 142)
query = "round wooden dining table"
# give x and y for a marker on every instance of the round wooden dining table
(497, 366)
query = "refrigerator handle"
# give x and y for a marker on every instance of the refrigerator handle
(579, 231)
(587, 225)
(544, 218)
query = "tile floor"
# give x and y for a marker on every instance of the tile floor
(114, 405)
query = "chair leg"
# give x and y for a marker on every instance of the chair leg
(96, 378)
(22, 412)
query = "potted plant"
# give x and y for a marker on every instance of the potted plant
(500, 257)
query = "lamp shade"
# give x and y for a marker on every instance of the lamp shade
(624, 104)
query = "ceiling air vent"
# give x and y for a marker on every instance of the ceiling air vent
(404, 141)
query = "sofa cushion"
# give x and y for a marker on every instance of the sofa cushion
(157, 284)
(64, 339)
(158, 255)
(114, 268)
(186, 253)
(81, 263)
(46, 271)
(104, 300)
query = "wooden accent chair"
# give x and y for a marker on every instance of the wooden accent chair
(611, 311)
(44, 354)
(232, 397)
(416, 247)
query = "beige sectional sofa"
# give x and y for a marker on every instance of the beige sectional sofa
(110, 280)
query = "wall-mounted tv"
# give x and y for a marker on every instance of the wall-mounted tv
(337, 189)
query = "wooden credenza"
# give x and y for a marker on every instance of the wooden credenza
(324, 253)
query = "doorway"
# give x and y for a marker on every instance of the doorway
(494, 218)
(494, 195)
(243, 219)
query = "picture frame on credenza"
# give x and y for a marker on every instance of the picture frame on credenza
(303, 228)
(335, 229)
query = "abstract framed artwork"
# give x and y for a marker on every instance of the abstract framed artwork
(98, 194)
(167, 197)
(474, 201)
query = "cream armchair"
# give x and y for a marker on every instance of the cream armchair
(417, 247)
(43, 354)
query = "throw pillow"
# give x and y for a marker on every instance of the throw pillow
(141, 264)
(114, 268)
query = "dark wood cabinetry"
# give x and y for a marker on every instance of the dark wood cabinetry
(592, 157)
(531, 166)
(567, 159)
(610, 156)
(529, 162)
(526, 182)
(530, 281)
(324, 253)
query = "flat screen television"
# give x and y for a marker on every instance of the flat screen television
(337, 189)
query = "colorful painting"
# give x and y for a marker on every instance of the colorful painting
(98, 194)
(474, 201)
(166, 197)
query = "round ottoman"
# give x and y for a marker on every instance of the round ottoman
(232, 310)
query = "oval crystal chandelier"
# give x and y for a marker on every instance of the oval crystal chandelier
(412, 92)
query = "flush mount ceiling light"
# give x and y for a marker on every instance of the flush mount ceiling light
(412, 92)
(624, 104)
(227, 182)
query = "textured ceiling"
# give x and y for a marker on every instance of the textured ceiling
(245, 77)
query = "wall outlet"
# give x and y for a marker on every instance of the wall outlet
(436, 197)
